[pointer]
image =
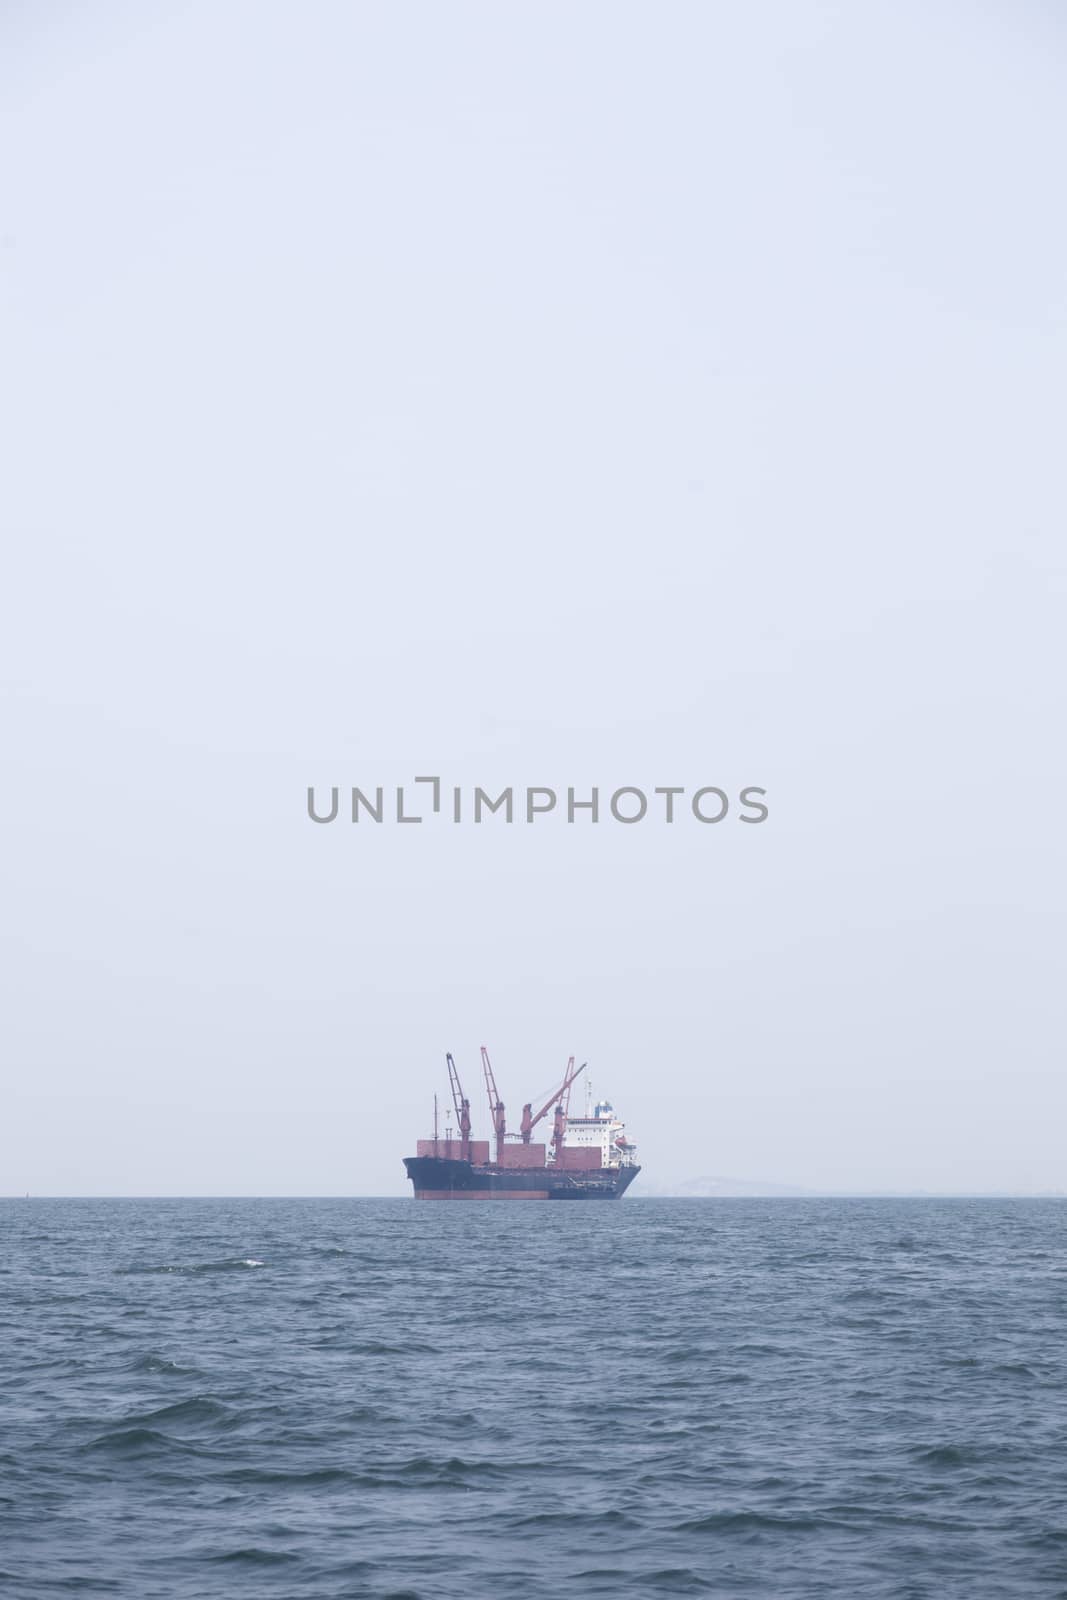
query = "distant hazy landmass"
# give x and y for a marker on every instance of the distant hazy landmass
(711, 1188)
(715, 1188)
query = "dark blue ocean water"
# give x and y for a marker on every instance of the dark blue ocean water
(379, 1398)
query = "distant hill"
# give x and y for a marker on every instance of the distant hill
(713, 1188)
(758, 1188)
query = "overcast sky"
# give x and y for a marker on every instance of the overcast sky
(555, 394)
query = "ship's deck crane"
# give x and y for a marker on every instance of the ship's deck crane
(563, 1110)
(463, 1108)
(496, 1105)
(529, 1121)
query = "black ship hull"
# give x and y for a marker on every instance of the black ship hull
(434, 1178)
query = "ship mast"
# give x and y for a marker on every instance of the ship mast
(496, 1105)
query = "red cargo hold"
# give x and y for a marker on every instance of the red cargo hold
(450, 1149)
(577, 1159)
(522, 1155)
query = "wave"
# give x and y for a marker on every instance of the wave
(960, 1455)
(199, 1409)
(310, 1478)
(672, 1580)
(577, 1521)
(747, 1522)
(255, 1556)
(230, 1264)
(375, 1347)
(138, 1441)
(159, 1366)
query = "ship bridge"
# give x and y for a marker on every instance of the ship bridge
(601, 1130)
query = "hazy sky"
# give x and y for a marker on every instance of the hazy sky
(533, 394)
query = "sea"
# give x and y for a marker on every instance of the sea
(310, 1399)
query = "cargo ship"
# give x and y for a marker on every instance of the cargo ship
(587, 1158)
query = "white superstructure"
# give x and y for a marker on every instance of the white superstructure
(599, 1128)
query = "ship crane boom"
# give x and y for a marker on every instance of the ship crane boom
(563, 1111)
(463, 1107)
(496, 1105)
(529, 1121)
